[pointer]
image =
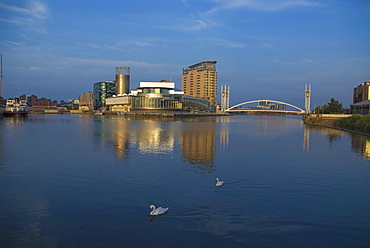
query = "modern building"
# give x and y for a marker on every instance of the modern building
(103, 90)
(86, 101)
(157, 96)
(149, 96)
(200, 80)
(162, 96)
(361, 108)
(122, 80)
(362, 92)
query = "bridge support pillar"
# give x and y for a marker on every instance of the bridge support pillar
(307, 99)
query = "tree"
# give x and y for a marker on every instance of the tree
(333, 107)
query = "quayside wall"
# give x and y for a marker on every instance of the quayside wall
(324, 120)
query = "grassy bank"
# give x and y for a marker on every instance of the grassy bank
(358, 123)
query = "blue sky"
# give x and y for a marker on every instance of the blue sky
(265, 49)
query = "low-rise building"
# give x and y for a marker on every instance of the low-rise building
(86, 101)
(361, 108)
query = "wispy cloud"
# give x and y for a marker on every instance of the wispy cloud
(105, 62)
(36, 68)
(309, 61)
(229, 44)
(199, 24)
(261, 5)
(189, 24)
(30, 18)
(123, 45)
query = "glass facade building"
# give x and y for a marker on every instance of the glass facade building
(103, 90)
(197, 103)
(156, 96)
(143, 102)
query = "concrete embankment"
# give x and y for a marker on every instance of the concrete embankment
(55, 112)
(325, 120)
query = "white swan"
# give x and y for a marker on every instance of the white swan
(219, 183)
(158, 211)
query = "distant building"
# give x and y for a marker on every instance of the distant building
(43, 102)
(362, 92)
(200, 80)
(103, 90)
(74, 101)
(87, 100)
(31, 100)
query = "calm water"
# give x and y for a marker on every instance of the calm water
(80, 181)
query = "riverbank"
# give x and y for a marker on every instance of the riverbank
(350, 123)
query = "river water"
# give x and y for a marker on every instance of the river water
(88, 181)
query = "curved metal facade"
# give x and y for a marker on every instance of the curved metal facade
(122, 80)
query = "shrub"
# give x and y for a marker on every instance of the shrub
(357, 123)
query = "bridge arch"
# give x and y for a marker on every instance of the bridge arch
(265, 105)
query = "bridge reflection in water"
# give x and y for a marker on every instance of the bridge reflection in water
(267, 106)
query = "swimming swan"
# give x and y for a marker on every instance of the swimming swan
(219, 183)
(158, 211)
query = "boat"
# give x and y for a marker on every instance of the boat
(15, 107)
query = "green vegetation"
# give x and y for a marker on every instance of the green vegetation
(359, 123)
(333, 107)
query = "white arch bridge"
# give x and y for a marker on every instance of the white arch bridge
(267, 106)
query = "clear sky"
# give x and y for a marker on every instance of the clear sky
(265, 49)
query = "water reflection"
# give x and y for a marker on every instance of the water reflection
(198, 146)
(153, 136)
(360, 144)
(54, 201)
(198, 139)
(2, 153)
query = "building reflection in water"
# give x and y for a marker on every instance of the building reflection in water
(198, 139)
(198, 146)
(153, 138)
(361, 146)
(150, 136)
(115, 135)
(122, 140)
